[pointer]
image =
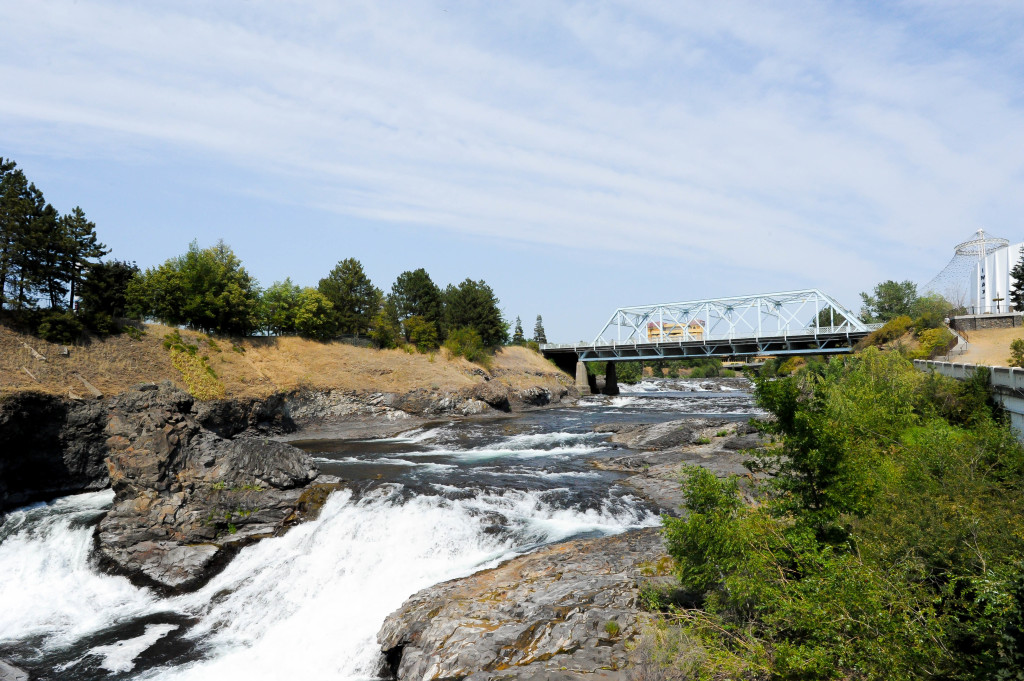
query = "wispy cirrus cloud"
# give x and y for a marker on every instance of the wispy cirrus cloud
(825, 133)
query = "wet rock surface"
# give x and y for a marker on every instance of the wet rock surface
(663, 450)
(8, 672)
(185, 497)
(545, 615)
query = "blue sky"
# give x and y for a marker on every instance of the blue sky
(578, 156)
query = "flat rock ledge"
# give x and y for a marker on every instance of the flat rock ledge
(186, 499)
(545, 615)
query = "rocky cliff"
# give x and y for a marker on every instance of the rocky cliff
(185, 496)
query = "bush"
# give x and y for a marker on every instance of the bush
(628, 372)
(892, 330)
(893, 517)
(933, 342)
(465, 342)
(60, 327)
(1017, 353)
(421, 333)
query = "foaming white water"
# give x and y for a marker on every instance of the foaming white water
(526, 446)
(388, 461)
(309, 604)
(47, 586)
(120, 657)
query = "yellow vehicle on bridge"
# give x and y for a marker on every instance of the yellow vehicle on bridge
(666, 331)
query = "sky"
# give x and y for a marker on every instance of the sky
(577, 156)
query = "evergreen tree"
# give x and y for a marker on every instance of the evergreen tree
(355, 299)
(79, 239)
(416, 295)
(538, 331)
(472, 305)
(1017, 284)
(103, 294)
(30, 247)
(517, 335)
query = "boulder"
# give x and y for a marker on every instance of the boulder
(566, 611)
(187, 498)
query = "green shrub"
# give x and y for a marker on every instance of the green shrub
(933, 342)
(421, 333)
(465, 342)
(611, 627)
(893, 329)
(1017, 353)
(60, 327)
(629, 372)
(893, 516)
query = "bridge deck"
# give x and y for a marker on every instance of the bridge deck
(783, 344)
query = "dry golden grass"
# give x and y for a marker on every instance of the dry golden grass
(266, 366)
(989, 346)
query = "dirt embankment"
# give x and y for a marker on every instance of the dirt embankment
(254, 367)
(990, 347)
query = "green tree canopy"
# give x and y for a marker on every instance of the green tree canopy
(42, 255)
(103, 294)
(517, 336)
(355, 299)
(1017, 284)
(82, 247)
(891, 299)
(277, 307)
(205, 289)
(472, 305)
(416, 295)
(314, 315)
(538, 331)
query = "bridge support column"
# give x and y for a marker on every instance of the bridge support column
(582, 382)
(611, 380)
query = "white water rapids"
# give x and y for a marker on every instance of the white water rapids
(431, 505)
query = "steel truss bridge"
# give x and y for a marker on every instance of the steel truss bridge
(801, 322)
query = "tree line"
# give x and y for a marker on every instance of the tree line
(54, 282)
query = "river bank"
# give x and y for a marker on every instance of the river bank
(443, 500)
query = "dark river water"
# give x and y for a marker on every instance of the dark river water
(435, 503)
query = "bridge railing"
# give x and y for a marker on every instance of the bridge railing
(715, 338)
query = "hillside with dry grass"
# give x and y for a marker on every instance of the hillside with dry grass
(249, 367)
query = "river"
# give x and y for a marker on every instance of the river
(433, 504)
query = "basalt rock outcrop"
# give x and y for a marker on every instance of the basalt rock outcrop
(50, 447)
(566, 611)
(185, 497)
(662, 450)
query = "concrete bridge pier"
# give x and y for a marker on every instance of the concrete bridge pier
(611, 379)
(582, 379)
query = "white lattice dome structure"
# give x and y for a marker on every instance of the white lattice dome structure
(978, 275)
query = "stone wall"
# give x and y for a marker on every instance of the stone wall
(973, 322)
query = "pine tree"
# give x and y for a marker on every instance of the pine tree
(82, 247)
(473, 305)
(416, 295)
(1017, 284)
(538, 331)
(517, 336)
(355, 299)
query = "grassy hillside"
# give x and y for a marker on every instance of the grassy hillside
(250, 366)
